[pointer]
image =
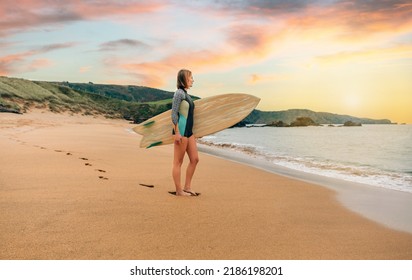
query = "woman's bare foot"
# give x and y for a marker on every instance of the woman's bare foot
(190, 192)
(182, 193)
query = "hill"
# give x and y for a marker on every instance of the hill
(289, 116)
(113, 101)
(127, 93)
(135, 103)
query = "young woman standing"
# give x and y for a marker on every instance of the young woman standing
(184, 140)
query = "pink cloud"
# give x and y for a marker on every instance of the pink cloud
(27, 14)
(244, 44)
(251, 38)
(9, 63)
(26, 61)
(355, 20)
(252, 30)
(38, 64)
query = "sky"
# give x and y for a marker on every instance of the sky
(344, 57)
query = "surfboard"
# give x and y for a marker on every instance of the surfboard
(212, 114)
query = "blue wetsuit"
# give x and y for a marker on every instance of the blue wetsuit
(182, 112)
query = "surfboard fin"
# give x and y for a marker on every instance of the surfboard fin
(154, 144)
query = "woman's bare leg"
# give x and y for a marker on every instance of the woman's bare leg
(179, 153)
(194, 159)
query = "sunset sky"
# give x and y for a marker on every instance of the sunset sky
(345, 57)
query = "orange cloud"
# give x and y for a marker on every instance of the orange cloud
(98, 9)
(353, 20)
(38, 64)
(271, 25)
(263, 78)
(21, 62)
(251, 31)
(397, 52)
(10, 64)
(244, 44)
(17, 63)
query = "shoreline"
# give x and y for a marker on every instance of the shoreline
(73, 187)
(389, 207)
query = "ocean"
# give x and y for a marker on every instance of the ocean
(376, 155)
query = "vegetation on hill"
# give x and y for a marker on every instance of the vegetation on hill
(127, 93)
(289, 116)
(20, 95)
(136, 103)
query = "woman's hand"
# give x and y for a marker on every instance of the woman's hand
(178, 138)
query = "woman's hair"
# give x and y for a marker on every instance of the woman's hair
(182, 78)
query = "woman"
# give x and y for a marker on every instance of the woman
(184, 140)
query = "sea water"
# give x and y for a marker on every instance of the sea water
(377, 155)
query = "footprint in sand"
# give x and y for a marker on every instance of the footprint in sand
(99, 170)
(40, 147)
(61, 151)
(103, 171)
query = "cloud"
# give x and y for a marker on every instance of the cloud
(121, 44)
(357, 20)
(17, 63)
(263, 78)
(246, 37)
(52, 47)
(250, 31)
(38, 64)
(354, 19)
(242, 45)
(373, 55)
(20, 15)
(152, 74)
(26, 61)
(8, 63)
(258, 7)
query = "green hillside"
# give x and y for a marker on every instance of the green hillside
(135, 103)
(113, 101)
(127, 93)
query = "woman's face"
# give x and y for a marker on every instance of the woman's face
(190, 81)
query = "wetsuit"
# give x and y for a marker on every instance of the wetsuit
(182, 112)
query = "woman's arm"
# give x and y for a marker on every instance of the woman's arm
(177, 100)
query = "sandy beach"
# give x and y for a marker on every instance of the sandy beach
(71, 188)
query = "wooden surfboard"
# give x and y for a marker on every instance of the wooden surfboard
(212, 114)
